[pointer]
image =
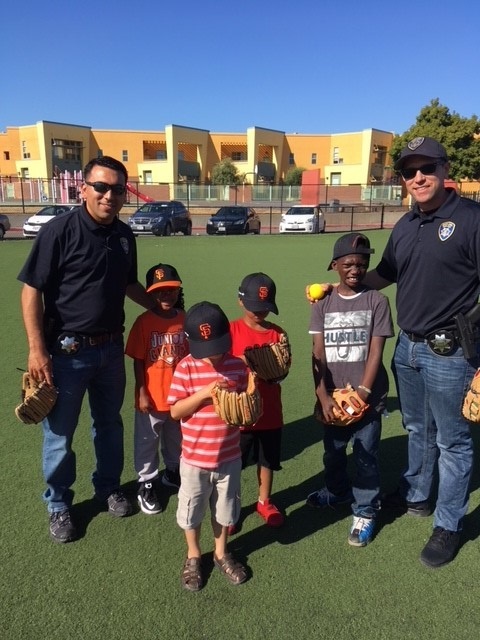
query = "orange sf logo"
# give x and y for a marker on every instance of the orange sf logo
(159, 274)
(205, 330)
(263, 293)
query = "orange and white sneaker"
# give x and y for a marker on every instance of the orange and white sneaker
(269, 512)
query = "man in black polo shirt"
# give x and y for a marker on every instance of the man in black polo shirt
(433, 255)
(80, 268)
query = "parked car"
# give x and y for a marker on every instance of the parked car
(303, 218)
(162, 219)
(34, 223)
(235, 219)
(4, 225)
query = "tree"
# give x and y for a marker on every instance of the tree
(294, 176)
(458, 135)
(226, 173)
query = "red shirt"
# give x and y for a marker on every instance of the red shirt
(244, 336)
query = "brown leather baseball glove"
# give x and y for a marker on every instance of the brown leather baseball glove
(351, 407)
(238, 409)
(471, 403)
(38, 399)
(271, 362)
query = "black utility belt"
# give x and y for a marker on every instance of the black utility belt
(443, 341)
(70, 342)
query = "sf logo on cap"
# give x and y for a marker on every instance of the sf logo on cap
(263, 293)
(159, 274)
(205, 330)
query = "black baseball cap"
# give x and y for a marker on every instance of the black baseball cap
(427, 147)
(351, 243)
(162, 275)
(208, 330)
(257, 292)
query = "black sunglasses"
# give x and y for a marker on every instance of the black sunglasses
(427, 170)
(103, 187)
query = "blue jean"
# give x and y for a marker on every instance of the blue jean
(100, 372)
(431, 389)
(365, 438)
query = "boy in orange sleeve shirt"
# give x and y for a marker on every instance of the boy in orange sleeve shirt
(157, 343)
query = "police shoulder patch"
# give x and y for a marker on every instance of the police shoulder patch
(445, 230)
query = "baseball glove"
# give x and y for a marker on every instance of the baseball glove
(38, 400)
(238, 409)
(352, 407)
(271, 362)
(471, 403)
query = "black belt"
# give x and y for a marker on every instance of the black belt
(414, 337)
(97, 340)
(442, 341)
(69, 342)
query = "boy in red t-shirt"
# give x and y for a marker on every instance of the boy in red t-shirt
(210, 464)
(257, 298)
(157, 343)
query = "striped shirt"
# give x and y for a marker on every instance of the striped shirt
(207, 441)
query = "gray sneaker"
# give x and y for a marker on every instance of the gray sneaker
(325, 498)
(62, 528)
(117, 504)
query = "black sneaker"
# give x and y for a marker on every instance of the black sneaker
(396, 501)
(171, 478)
(148, 498)
(117, 504)
(62, 528)
(441, 548)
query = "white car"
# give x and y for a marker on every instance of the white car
(32, 226)
(303, 218)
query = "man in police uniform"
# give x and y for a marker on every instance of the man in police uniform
(80, 268)
(433, 255)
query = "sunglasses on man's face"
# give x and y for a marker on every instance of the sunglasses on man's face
(426, 169)
(103, 187)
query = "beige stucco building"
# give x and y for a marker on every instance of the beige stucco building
(186, 154)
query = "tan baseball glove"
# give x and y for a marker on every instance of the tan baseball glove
(471, 403)
(271, 362)
(238, 409)
(38, 399)
(351, 407)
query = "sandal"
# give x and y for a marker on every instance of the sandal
(192, 578)
(233, 570)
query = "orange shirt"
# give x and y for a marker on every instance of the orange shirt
(161, 344)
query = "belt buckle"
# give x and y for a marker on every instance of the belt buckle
(442, 342)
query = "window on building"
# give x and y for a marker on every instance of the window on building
(6, 155)
(69, 150)
(291, 159)
(239, 156)
(336, 154)
(125, 155)
(314, 158)
(25, 153)
(147, 177)
(25, 172)
(181, 155)
(161, 154)
(335, 179)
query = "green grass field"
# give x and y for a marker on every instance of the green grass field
(121, 579)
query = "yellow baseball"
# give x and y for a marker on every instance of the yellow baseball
(316, 291)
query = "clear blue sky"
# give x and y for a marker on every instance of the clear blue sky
(309, 66)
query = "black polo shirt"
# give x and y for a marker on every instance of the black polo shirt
(83, 269)
(435, 261)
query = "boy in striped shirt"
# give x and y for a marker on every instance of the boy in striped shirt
(210, 463)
